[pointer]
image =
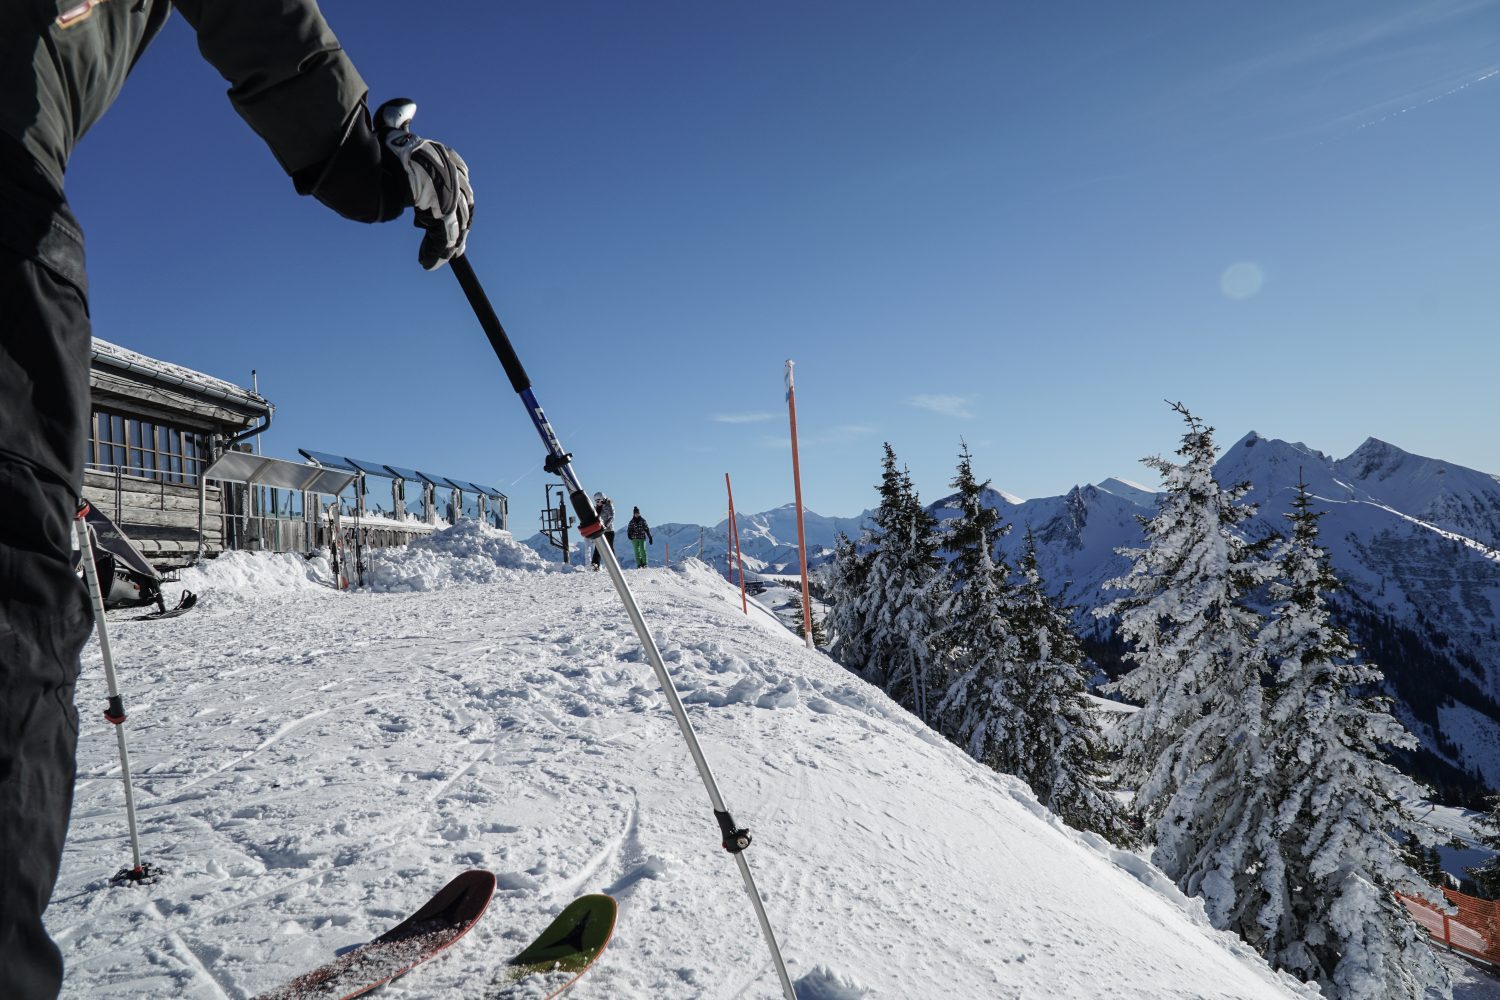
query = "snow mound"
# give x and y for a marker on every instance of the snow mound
(241, 576)
(468, 552)
(825, 984)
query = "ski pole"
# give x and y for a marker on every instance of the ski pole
(560, 463)
(115, 712)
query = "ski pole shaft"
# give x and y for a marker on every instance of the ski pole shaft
(115, 713)
(559, 462)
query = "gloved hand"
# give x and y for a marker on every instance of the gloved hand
(439, 178)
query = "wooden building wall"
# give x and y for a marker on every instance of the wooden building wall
(161, 518)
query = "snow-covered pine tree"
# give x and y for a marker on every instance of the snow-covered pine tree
(1062, 751)
(845, 584)
(819, 637)
(973, 642)
(1324, 905)
(1193, 752)
(897, 603)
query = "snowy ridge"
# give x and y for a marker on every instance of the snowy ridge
(311, 764)
(1479, 548)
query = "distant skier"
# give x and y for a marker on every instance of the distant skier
(639, 533)
(61, 66)
(605, 508)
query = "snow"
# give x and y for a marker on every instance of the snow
(469, 552)
(165, 369)
(1470, 980)
(310, 765)
(1125, 489)
(1477, 736)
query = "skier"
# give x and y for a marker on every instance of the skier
(63, 64)
(605, 508)
(639, 533)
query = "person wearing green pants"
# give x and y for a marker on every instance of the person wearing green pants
(639, 533)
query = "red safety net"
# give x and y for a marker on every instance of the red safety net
(1474, 929)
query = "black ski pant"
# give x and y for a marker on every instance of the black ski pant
(44, 610)
(608, 539)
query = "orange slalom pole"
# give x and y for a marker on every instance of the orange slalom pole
(734, 533)
(791, 403)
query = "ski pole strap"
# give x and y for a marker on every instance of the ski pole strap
(115, 712)
(735, 841)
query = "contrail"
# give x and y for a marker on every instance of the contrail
(1431, 100)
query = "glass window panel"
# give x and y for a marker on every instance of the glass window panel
(190, 456)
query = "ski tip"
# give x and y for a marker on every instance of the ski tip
(576, 935)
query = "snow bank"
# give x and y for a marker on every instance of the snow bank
(469, 552)
(241, 576)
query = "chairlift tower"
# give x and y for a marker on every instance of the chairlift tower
(555, 521)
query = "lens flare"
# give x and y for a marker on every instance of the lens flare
(1242, 279)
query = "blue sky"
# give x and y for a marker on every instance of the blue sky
(1025, 225)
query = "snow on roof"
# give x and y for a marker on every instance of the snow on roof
(120, 357)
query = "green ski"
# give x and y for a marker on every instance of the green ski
(561, 953)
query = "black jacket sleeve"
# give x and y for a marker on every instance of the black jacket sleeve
(294, 85)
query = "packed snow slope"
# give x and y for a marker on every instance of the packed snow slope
(311, 765)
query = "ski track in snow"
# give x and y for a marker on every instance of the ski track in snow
(311, 765)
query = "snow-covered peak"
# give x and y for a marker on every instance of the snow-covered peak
(1375, 459)
(990, 497)
(1275, 467)
(1450, 496)
(1127, 490)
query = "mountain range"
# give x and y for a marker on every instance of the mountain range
(1415, 540)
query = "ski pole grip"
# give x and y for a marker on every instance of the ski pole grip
(485, 313)
(588, 518)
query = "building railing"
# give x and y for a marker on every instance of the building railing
(160, 517)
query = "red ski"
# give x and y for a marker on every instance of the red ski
(444, 919)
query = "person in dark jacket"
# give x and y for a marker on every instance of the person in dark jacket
(605, 508)
(639, 533)
(62, 63)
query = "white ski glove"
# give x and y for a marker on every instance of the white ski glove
(439, 178)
